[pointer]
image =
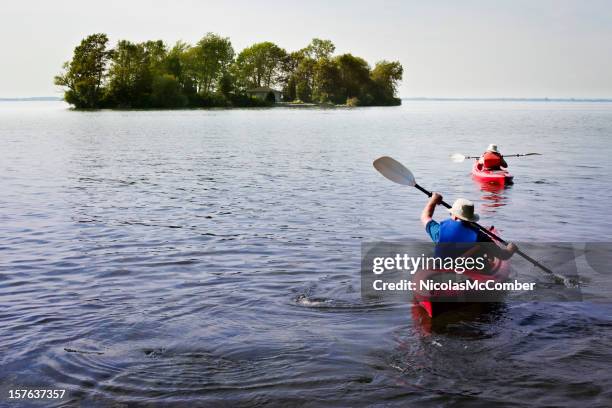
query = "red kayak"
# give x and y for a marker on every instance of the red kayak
(500, 177)
(437, 302)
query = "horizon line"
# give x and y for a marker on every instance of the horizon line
(507, 98)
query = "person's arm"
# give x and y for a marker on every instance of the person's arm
(508, 251)
(430, 207)
(496, 250)
(503, 162)
(501, 252)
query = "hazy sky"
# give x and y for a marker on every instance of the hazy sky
(455, 48)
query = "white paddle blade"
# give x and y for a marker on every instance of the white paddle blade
(394, 171)
(457, 157)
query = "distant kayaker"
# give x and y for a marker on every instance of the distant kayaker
(492, 159)
(459, 228)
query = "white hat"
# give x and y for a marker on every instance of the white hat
(464, 210)
(492, 148)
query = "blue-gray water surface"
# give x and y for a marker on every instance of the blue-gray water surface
(212, 257)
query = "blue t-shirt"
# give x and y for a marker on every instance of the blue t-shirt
(433, 230)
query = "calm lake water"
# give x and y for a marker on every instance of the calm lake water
(212, 257)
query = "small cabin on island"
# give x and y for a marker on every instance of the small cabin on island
(265, 93)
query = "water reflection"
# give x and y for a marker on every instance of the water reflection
(493, 196)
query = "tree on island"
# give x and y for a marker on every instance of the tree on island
(259, 65)
(208, 60)
(208, 74)
(85, 73)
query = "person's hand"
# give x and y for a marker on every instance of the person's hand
(512, 248)
(436, 198)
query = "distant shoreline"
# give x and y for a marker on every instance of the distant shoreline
(32, 99)
(502, 99)
(423, 98)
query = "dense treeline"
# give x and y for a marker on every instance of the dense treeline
(209, 74)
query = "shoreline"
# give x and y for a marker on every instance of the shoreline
(208, 108)
(310, 104)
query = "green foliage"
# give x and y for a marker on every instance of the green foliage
(208, 60)
(245, 101)
(289, 77)
(131, 73)
(151, 75)
(320, 49)
(289, 89)
(174, 60)
(327, 82)
(354, 75)
(210, 100)
(386, 76)
(303, 91)
(83, 76)
(226, 84)
(259, 65)
(166, 92)
(157, 54)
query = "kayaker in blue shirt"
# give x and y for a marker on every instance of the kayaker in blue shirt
(459, 229)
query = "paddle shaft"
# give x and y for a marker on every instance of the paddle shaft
(498, 238)
(521, 155)
(507, 155)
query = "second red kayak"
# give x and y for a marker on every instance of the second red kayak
(491, 176)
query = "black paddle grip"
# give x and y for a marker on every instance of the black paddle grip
(429, 194)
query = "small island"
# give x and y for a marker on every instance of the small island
(151, 75)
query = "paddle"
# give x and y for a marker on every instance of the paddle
(458, 157)
(398, 173)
